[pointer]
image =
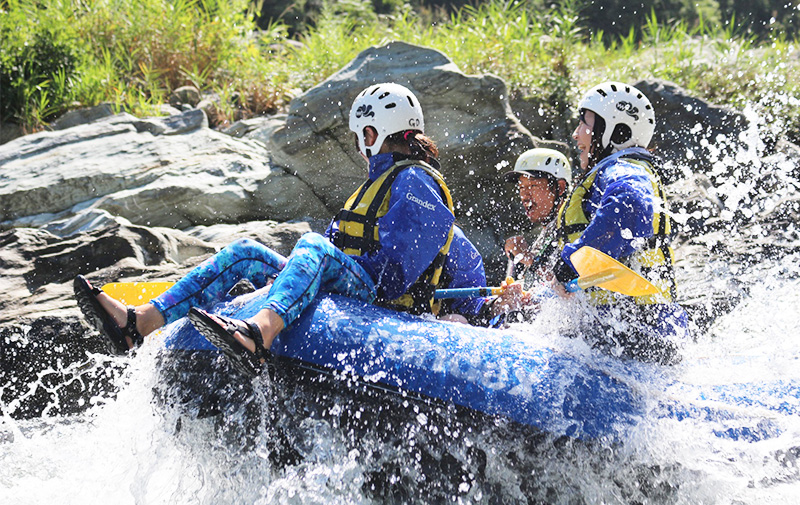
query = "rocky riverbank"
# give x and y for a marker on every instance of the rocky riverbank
(120, 197)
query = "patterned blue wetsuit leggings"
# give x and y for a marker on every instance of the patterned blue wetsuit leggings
(315, 265)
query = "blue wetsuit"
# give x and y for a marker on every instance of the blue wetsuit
(411, 233)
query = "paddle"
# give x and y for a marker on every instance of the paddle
(595, 268)
(599, 269)
(442, 294)
(136, 293)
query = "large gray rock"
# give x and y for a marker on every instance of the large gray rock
(172, 172)
(467, 116)
(82, 116)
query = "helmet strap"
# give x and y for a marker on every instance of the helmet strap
(556, 205)
(552, 183)
(597, 152)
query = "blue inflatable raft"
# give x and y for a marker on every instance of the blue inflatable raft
(500, 372)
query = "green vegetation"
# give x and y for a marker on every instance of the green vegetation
(60, 54)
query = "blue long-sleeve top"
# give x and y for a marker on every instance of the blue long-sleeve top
(412, 231)
(464, 268)
(619, 207)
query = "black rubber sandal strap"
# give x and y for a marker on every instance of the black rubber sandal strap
(250, 330)
(130, 328)
(219, 330)
(255, 334)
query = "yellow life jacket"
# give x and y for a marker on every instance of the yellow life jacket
(358, 234)
(655, 261)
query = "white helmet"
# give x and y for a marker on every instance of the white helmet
(629, 116)
(542, 160)
(387, 107)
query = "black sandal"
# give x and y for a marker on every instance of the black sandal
(221, 335)
(102, 321)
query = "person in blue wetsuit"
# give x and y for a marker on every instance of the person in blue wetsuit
(392, 244)
(618, 206)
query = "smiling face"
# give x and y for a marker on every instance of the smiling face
(583, 136)
(536, 196)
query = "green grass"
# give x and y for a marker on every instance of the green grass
(129, 52)
(61, 53)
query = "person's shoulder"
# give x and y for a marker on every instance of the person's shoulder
(460, 240)
(623, 168)
(462, 250)
(460, 236)
(417, 168)
(416, 173)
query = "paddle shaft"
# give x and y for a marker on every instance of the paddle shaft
(145, 291)
(441, 294)
(593, 280)
(610, 272)
(142, 292)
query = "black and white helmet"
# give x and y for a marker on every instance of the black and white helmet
(629, 116)
(387, 107)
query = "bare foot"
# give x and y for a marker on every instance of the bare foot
(115, 308)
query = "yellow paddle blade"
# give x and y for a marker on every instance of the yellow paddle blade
(601, 277)
(594, 266)
(136, 293)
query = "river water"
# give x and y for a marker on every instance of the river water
(312, 444)
(128, 448)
